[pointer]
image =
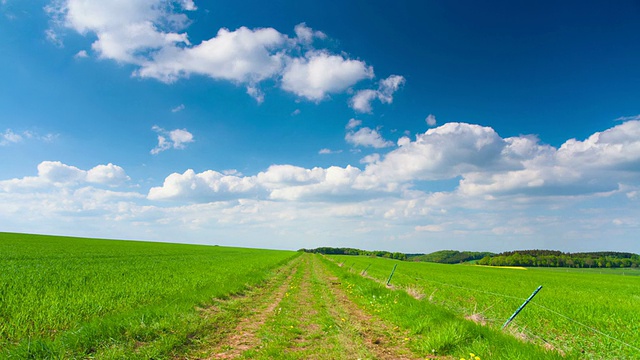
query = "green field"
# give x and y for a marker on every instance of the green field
(64, 296)
(581, 313)
(76, 298)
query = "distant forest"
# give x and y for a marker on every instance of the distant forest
(449, 256)
(550, 258)
(531, 258)
(351, 251)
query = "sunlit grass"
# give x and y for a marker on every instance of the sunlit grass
(62, 296)
(603, 300)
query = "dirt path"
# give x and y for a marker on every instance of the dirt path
(307, 315)
(244, 335)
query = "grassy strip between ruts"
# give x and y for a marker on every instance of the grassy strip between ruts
(313, 321)
(434, 330)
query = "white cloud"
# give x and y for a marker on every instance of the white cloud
(306, 34)
(81, 54)
(320, 73)
(107, 174)
(370, 158)
(388, 87)
(326, 151)
(57, 174)
(9, 137)
(441, 153)
(242, 56)
(175, 139)
(315, 184)
(431, 120)
(361, 101)
(178, 108)
(367, 137)
(206, 186)
(627, 118)
(255, 93)
(618, 147)
(126, 31)
(505, 193)
(150, 35)
(278, 182)
(353, 123)
(53, 38)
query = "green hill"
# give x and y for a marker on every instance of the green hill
(450, 256)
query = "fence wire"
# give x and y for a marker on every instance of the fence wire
(532, 302)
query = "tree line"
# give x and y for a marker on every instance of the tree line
(551, 258)
(533, 258)
(351, 251)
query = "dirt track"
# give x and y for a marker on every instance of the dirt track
(304, 313)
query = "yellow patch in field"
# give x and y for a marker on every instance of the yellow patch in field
(503, 267)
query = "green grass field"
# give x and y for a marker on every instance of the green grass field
(69, 297)
(562, 316)
(73, 298)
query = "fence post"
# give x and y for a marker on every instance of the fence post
(392, 271)
(365, 270)
(521, 307)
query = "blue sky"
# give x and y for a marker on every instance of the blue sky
(408, 126)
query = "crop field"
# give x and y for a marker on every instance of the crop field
(72, 298)
(68, 297)
(581, 313)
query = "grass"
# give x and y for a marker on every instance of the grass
(432, 329)
(64, 297)
(604, 301)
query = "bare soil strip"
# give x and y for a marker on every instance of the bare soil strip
(249, 310)
(244, 337)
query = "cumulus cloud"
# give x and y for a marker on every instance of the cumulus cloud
(278, 182)
(241, 56)
(500, 188)
(150, 34)
(320, 73)
(361, 101)
(305, 34)
(107, 174)
(173, 139)
(367, 137)
(491, 165)
(206, 186)
(81, 54)
(353, 123)
(126, 31)
(440, 153)
(57, 174)
(431, 120)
